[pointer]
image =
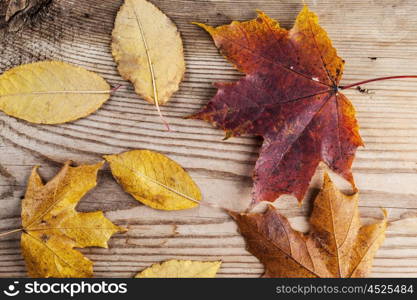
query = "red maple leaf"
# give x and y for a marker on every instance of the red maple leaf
(290, 96)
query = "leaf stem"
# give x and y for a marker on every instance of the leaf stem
(10, 232)
(375, 79)
(115, 88)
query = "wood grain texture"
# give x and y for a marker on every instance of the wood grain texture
(376, 38)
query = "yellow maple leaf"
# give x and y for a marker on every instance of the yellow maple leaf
(52, 228)
(154, 179)
(51, 92)
(181, 269)
(148, 50)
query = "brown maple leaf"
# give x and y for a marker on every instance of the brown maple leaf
(336, 246)
(290, 96)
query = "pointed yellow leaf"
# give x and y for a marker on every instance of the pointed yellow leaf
(51, 92)
(52, 228)
(148, 50)
(181, 269)
(154, 179)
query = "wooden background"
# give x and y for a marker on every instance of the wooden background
(376, 38)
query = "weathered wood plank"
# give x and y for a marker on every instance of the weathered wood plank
(376, 38)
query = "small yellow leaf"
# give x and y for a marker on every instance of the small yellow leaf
(154, 179)
(52, 228)
(51, 92)
(148, 50)
(181, 269)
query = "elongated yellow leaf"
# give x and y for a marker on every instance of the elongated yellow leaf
(52, 227)
(181, 269)
(148, 50)
(51, 92)
(154, 179)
